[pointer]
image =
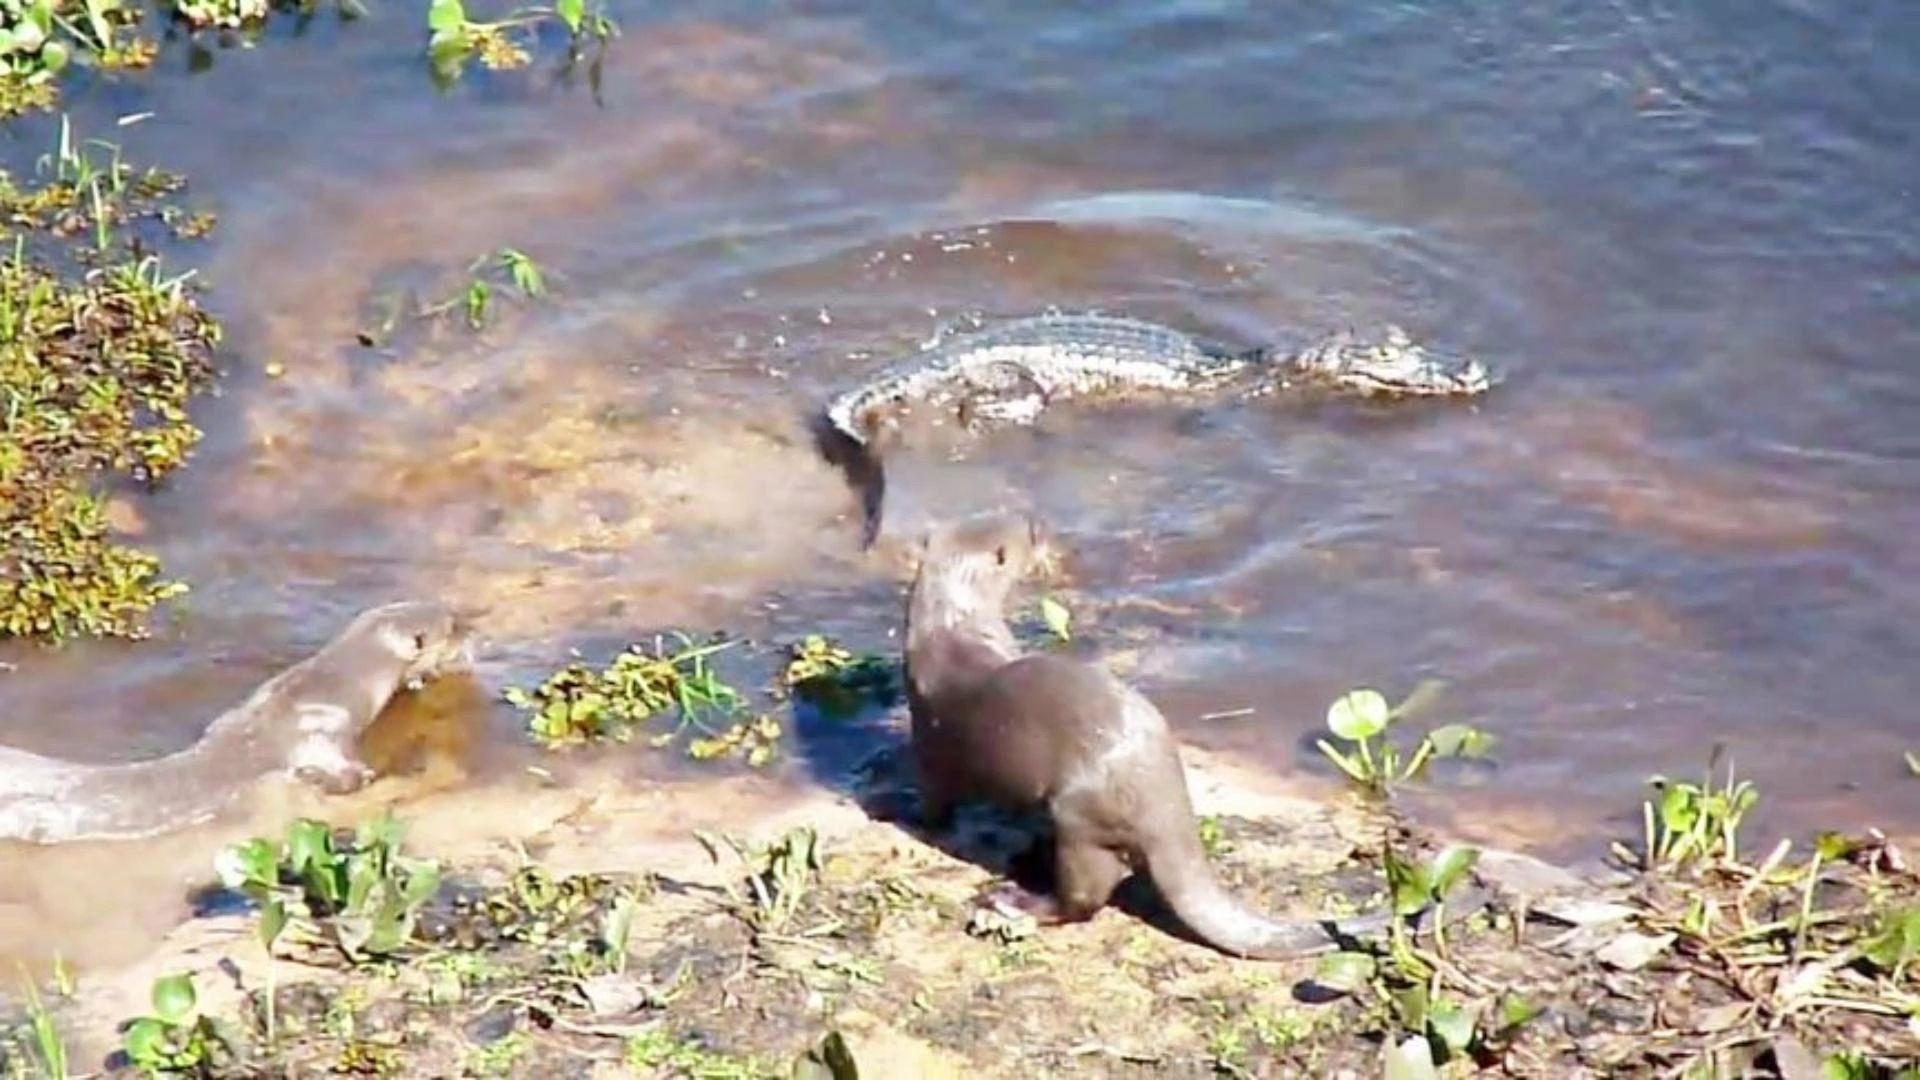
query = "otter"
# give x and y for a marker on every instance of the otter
(304, 722)
(1034, 730)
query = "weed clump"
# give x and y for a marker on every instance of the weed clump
(96, 371)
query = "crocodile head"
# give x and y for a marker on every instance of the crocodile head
(1390, 364)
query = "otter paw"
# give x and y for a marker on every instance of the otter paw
(336, 780)
(998, 921)
(1008, 902)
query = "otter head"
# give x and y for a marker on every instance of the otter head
(428, 637)
(988, 553)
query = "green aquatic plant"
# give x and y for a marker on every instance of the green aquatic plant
(779, 875)
(227, 14)
(1362, 717)
(96, 372)
(835, 679)
(475, 298)
(582, 704)
(454, 37)
(1689, 822)
(176, 1039)
(659, 1052)
(363, 895)
(48, 1047)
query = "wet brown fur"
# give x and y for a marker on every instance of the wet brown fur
(1039, 730)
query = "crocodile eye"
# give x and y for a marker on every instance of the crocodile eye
(420, 642)
(1000, 555)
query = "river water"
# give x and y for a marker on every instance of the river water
(1687, 234)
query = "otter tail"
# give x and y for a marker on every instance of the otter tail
(1180, 870)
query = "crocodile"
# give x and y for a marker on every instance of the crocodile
(1012, 371)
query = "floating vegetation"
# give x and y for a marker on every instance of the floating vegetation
(837, 681)
(581, 704)
(224, 14)
(501, 44)
(475, 299)
(97, 368)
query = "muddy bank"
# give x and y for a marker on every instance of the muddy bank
(862, 928)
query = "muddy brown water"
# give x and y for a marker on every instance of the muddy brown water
(1687, 234)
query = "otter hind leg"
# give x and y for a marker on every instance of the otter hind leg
(1085, 875)
(1084, 878)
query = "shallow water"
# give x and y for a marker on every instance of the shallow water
(1686, 232)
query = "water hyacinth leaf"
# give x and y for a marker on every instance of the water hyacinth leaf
(1346, 972)
(1898, 941)
(53, 56)
(1412, 1007)
(309, 844)
(446, 16)
(1516, 1011)
(273, 920)
(571, 12)
(1358, 714)
(423, 881)
(1411, 1060)
(1450, 865)
(1832, 846)
(1410, 884)
(146, 1041)
(1679, 808)
(1454, 1025)
(1460, 740)
(173, 997)
(253, 863)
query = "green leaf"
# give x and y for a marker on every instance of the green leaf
(273, 919)
(423, 879)
(146, 1042)
(53, 55)
(571, 12)
(309, 844)
(1516, 1011)
(1411, 1006)
(1058, 618)
(385, 831)
(1345, 971)
(446, 16)
(1450, 865)
(1411, 886)
(1460, 740)
(253, 865)
(1454, 1025)
(1358, 714)
(1411, 1060)
(1833, 846)
(173, 997)
(1679, 807)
